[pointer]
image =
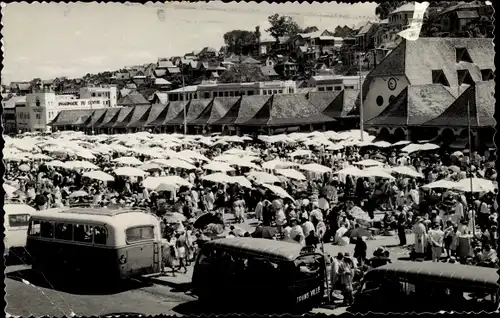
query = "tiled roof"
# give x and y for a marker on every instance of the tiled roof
(173, 70)
(137, 117)
(11, 102)
(154, 112)
(268, 71)
(193, 109)
(481, 99)
(160, 117)
(162, 81)
(23, 86)
(124, 114)
(160, 72)
(321, 100)
(162, 97)
(405, 8)
(133, 99)
(287, 110)
(174, 108)
(365, 28)
(71, 117)
(109, 118)
(165, 64)
(244, 109)
(414, 106)
(343, 104)
(417, 59)
(250, 60)
(131, 86)
(124, 92)
(112, 118)
(97, 117)
(217, 108)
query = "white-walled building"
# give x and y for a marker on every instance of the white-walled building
(42, 107)
(210, 90)
(335, 82)
(106, 92)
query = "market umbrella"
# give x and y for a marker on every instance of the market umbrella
(130, 172)
(24, 168)
(40, 156)
(57, 163)
(217, 177)
(150, 167)
(243, 163)
(78, 194)
(406, 171)
(377, 172)
(441, 184)
(291, 173)
(174, 217)
(278, 164)
(429, 146)
(98, 175)
(242, 181)
(129, 161)
(279, 191)
(81, 165)
(218, 166)
(457, 154)
(478, 185)
(262, 177)
(9, 190)
(314, 167)
(369, 163)
(352, 171)
(300, 153)
(400, 143)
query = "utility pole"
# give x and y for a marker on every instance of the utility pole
(184, 99)
(470, 168)
(361, 119)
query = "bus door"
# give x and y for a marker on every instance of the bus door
(140, 252)
(308, 285)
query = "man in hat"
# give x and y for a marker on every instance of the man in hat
(420, 236)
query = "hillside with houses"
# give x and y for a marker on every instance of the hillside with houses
(288, 53)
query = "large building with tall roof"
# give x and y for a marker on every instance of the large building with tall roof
(449, 62)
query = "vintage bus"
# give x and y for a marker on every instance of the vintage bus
(427, 287)
(16, 220)
(256, 275)
(111, 243)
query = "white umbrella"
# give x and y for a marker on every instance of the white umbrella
(352, 171)
(278, 164)
(242, 181)
(98, 175)
(407, 171)
(178, 163)
(40, 156)
(129, 161)
(300, 153)
(244, 163)
(369, 163)
(58, 163)
(15, 157)
(78, 194)
(377, 172)
(381, 144)
(291, 173)
(217, 177)
(400, 143)
(262, 177)
(411, 148)
(150, 166)
(176, 180)
(428, 146)
(278, 191)
(314, 167)
(130, 172)
(166, 187)
(441, 184)
(478, 185)
(9, 190)
(193, 154)
(81, 165)
(218, 166)
(226, 157)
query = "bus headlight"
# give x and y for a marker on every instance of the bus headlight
(122, 259)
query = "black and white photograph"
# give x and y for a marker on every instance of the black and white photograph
(188, 158)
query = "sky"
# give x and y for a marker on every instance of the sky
(51, 40)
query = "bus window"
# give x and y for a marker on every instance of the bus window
(34, 228)
(83, 233)
(100, 235)
(139, 233)
(47, 229)
(309, 265)
(64, 231)
(18, 220)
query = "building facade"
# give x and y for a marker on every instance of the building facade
(42, 107)
(210, 90)
(108, 93)
(335, 82)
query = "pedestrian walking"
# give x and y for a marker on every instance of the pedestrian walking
(436, 238)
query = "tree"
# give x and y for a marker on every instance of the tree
(242, 73)
(385, 8)
(282, 26)
(236, 39)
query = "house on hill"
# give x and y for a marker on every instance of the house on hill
(133, 99)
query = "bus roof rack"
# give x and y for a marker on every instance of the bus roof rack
(101, 211)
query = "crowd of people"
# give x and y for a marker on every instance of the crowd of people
(328, 208)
